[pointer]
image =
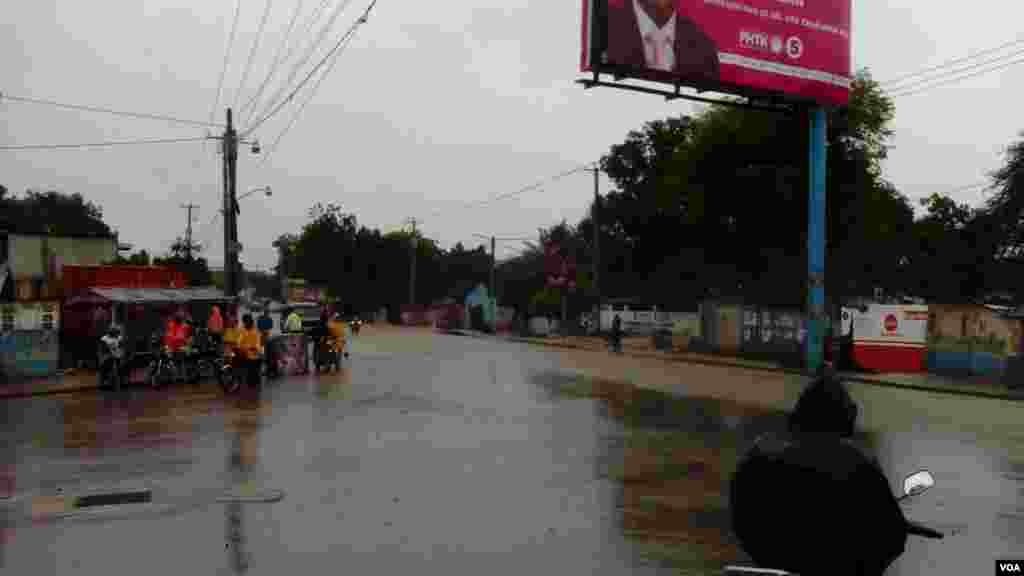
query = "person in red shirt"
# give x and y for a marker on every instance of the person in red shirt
(170, 332)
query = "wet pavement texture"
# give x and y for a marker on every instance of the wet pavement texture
(455, 455)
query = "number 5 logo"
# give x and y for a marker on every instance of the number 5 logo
(794, 47)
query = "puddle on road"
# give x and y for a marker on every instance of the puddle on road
(672, 462)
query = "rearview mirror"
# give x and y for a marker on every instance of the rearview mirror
(917, 483)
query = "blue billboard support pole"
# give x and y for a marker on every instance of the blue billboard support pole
(815, 323)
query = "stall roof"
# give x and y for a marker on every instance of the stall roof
(160, 295)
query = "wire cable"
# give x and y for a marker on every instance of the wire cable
(949, 63)
(252, 52)
(952, 73)
(4, 96)
(298, 112)
(227, 54)
(277, 60)
(362, 19)
(293, 46)
(310, 51)
(100, 144)
(956, 80)
(520, 191)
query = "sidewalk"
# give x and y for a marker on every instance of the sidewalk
(640, 347)
(61, 383)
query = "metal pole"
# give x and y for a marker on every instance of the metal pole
(816, 241)
(494, 293)
(597, 252)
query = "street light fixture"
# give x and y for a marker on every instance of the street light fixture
(266, 189)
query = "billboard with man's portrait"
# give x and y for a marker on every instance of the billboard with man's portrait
(799, 48)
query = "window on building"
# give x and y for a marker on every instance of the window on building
(963, 326)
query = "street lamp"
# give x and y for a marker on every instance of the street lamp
(266, 189)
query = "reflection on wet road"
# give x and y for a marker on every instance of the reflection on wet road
(438, 452)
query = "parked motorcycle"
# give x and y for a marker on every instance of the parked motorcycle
(913, 485)
(329, 354)
(111, 362)
(230, 374)
(161, 369)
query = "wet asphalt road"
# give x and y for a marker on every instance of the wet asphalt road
(427, 452)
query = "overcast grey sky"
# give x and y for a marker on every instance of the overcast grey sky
(432, 105)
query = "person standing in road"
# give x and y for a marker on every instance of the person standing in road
(294, 322)
(215, 326)
(250, 346)
(617, 333)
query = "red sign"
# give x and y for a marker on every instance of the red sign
(795, 47)
(891, 323)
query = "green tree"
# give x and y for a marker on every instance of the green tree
(195, 268)
(52, 212)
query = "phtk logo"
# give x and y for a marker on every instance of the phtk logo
(794, 47)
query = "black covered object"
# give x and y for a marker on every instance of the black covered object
(816, 503)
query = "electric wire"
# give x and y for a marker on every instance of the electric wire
(362, 19)
(27, 100)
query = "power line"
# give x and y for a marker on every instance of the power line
(276, 63)
(227, 53)
(523, 190)
(949, 63)
(99, 144)
(351, 30)
(958, 79)
(309, 98)
(252, 52)
(952, 73)
(309, 52)
(27, 100)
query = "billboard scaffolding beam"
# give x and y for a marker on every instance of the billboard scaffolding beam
(676, 95)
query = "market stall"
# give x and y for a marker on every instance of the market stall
(142, 312)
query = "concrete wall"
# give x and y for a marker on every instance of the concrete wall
(969, 320)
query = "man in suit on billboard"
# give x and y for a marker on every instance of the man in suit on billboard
(652, 34)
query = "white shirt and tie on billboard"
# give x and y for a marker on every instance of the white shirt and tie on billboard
(659, 43)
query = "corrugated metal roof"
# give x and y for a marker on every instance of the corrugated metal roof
(160, 295)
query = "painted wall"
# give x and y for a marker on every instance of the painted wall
(29, 353)
(29, 255)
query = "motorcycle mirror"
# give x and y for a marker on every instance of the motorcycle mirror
(917, 483)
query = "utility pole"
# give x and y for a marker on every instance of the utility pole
(597, 247)
(188, 231)
(230, 155)
(412, 263)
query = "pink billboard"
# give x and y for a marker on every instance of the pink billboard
(795, 47)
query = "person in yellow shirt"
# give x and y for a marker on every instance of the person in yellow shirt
(250, 346)
(230, 333)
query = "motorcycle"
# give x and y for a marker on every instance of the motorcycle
(913, 485)
(201, 360)
(229, 373)
(162, 368)
(329, 352)
(110, 369)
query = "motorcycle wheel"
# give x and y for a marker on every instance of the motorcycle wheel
(155, 374)
(229, 380)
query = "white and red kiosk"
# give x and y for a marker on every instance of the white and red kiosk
(889, 338)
